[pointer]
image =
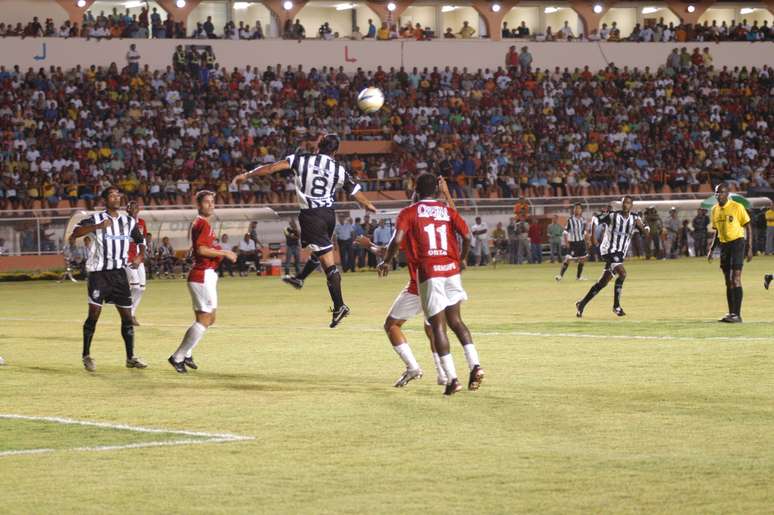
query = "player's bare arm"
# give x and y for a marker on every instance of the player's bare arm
(366, 243)
(83, 230)
(443, 187)
(262, 171)
(466, 241)
(392, 251)
(748, 235)
(713, 246)
(366, 204)
(210, 252)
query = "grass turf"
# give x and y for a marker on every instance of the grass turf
(663, 411)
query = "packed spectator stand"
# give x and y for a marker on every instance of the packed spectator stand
(519, 131)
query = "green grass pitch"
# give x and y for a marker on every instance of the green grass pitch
(665, 410)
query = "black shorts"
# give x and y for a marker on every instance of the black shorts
(613, 260)
(732, 254)
(110, 286)
(578, 249)
(317, 225)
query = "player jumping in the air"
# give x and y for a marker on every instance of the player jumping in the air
(407, 305)
(620, 226)
(317, 177)
(202, 281)
(136, 276)
(430, 228)
(576, 233)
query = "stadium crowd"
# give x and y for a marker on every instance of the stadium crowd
(149, 23)
(161, 135)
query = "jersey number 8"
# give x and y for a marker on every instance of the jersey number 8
(319, 186)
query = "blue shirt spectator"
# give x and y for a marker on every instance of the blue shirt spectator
(345, 231)
(382, 234)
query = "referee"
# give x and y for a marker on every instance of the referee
(732, 228)
(108, 256)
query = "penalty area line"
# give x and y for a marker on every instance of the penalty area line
(203, 437)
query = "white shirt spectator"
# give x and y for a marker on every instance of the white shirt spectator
(480, 227)
(247, 246)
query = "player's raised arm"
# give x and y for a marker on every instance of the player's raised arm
(444, 189)
(261, 171)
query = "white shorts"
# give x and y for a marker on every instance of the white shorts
(136, 276)
(438, 293)
(407, 305)
(205, 295)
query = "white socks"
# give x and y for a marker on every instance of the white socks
(404, 351)
(137, 292)
(192, 337)
(438, 367)
(471, 354)
(447, 362)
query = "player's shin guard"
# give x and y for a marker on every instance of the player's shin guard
(471, 355)
(311, 265)
(137, 292)
(580, 271)
(617, 292)
(89, 326)
(191, 339)
(595, 288)
(334, 286)
(738, 301)
(447, 362)
(565, 264)
(127, 332)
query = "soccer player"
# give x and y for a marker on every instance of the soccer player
(317, 178)
(202, 281)
(575, 233)
(619, 227)
(407, 305)
(430, 228)
(732, 229)
(107, 259)
(136, 276)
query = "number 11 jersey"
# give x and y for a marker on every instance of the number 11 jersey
(430, 242)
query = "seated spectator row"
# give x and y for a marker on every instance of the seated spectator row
(161, 135)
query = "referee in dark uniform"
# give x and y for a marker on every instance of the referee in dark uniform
(733, 231)
(108, 256)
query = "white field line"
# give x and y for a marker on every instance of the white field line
(358, 329)
(205, 437)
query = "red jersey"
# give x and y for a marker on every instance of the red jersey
(431, 229)
(202, 235)
(133, 247)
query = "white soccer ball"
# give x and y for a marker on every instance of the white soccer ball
(370, 100)
(2, 361)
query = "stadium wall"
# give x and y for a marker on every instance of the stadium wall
(157, 54)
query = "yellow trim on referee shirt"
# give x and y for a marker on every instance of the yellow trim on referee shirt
(729, 221)
(770, 217)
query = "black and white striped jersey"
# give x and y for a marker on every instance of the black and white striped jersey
(110, 247)
(317, 178)
(618, 232)
(576, 229)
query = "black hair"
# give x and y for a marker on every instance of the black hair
(329, 144)
(721, 186)
(427, 185)
(106, 192)
(200, 195)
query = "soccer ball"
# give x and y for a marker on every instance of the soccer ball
(370, 100)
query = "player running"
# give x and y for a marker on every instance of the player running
(430, 230)
(136, 276)
(202, 281)
(576, 232)
(317, 179)
(407, 305)
(619, 227)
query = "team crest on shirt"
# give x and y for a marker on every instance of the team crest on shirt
(95, 294)
(730, 219)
